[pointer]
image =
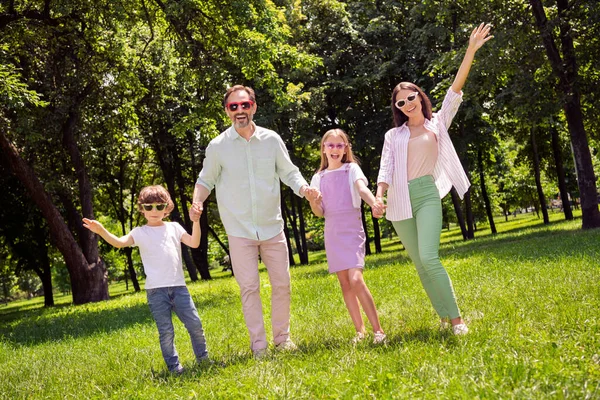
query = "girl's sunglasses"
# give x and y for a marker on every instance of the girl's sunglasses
(332, 146)
(159, 207)
(411, 97)
(234, 105)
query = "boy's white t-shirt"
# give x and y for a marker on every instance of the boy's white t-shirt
(160, 249)
(354, 174)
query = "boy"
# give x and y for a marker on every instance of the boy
(160, 249)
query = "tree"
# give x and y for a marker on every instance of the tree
(566, 70)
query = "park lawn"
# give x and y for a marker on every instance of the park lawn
(530, 295)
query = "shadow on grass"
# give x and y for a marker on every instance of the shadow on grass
(34, 327)
(192, 371)
(524, 243)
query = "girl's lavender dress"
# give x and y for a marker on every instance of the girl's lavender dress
(344, 233)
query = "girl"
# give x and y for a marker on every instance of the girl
(342, 184)
(419, 165)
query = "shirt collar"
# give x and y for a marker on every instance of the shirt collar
(427, 124)
(232, 134)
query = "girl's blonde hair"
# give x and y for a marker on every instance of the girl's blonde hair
(348, 157)
(155, 194)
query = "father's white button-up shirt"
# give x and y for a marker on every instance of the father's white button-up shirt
(245, 175)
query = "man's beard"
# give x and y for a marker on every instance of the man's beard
(244, 124)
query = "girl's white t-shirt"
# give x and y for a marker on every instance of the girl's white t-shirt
(354, 174)
(160, 249)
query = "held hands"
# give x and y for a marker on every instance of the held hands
(378, 208)
(196, 211)
(313, 195)
(93, 225)
(479, 36)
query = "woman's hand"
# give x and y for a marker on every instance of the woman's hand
(479, 36)
(378, 208)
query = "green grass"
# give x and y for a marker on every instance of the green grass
(529, 294)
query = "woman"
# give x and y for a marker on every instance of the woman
(419, 166)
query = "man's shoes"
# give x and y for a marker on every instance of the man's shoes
(287, 345)
(259, 353)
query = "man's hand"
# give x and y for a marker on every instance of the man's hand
(313, 195)
(196, 211)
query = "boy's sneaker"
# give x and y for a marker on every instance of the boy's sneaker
(379, 338)
(288, 345)
(358, 338)
(259, 353)
(460, 329)
(178, 370)
(205, 362)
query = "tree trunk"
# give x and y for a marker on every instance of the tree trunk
(469, 206)
(304, 254)
(376, 234)
(165, 149)
(87, 239)
(459, 214)
(469, 212)
(364, 224)
(560, 173)
(293, 222)
(45, 272)
(218, 239)
(190, 266)
(484, 194)
(200, 254)
(46, 278)
(286, 231)
(566, 71)
(538, 179)
(131, 269)
(88, 279)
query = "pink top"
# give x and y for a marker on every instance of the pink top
(447, 172)
(422, 155)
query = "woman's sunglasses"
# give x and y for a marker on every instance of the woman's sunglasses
(332, 146)
(159, 207)
(411, 97)
(234, 105)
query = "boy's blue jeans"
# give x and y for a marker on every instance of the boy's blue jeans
(162, 302)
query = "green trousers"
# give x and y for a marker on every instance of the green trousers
(420, 235)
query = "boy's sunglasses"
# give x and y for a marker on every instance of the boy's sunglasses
(159, 207)
(234, 105)
(332, 146)
(411, 97)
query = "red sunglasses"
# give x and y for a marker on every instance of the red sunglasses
(234, 105)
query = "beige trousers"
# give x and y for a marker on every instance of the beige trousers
(244, 261)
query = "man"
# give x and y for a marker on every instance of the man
(245, 163)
